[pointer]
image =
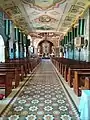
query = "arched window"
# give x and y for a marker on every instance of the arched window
(2, 50)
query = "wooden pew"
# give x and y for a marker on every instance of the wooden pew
(18, 63)
(13, 75)
(67, 68)
(74, 66)
(19, 68)
(77, 80)
(87, 84)
(21, 62)
(28, 63)
(71, 74)
(6, 81)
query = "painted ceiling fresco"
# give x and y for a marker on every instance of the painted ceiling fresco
(43, 4)
(44, 15)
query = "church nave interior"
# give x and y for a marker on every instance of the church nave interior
(44, 59)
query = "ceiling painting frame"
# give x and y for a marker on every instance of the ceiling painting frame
(52, 6)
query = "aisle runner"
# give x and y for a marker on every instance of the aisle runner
(42, 98)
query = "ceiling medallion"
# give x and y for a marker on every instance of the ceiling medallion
(43, 4)
(44, 18)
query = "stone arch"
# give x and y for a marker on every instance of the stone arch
(2, 49)
(47, 41)
(36, 42)
(45, 48)
(44, 40)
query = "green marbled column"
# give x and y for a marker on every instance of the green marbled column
(27, 53)
(7, 33)
(22, 45)
(14, 44)
(18, 43)
(79, 27)
(6, 50)
(73, 37)
(82, 27)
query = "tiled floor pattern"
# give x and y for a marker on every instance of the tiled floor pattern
(42, 98)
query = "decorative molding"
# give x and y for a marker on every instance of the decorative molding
(46, 15)
(44, 5)
(45, 19)
(76, 9)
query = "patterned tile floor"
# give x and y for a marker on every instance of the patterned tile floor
(42, 98)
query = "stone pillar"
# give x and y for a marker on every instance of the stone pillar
(73, 36)
(89, 36)
(6, 50)
(22, 45)
(57, 51)
(14, 48)
(26, 46)
(18, 43)
(21, 49)
(35, 50)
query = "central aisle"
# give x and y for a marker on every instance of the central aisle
(42, 98)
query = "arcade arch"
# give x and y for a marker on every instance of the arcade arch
(45, 48)
(2, 49)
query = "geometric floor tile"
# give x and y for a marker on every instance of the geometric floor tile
(42, 98)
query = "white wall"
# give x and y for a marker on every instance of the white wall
(2, 50)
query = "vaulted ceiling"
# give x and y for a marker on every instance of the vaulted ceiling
(44, 15)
